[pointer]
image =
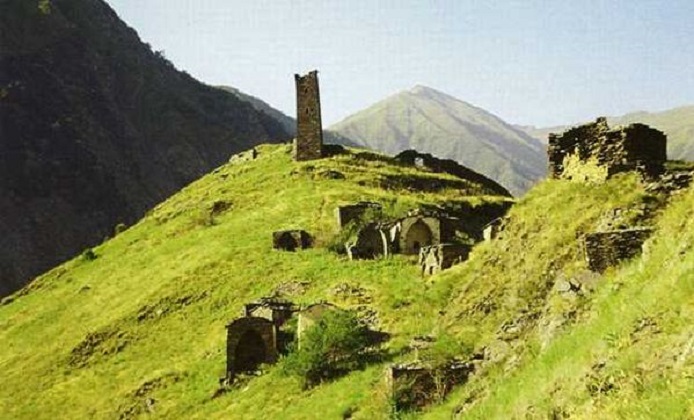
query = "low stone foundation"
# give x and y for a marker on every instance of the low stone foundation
(607, 249)
(436, 258)
(415, 385)
(352, 212)
(291, 240)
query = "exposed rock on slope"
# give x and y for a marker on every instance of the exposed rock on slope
(432, 122)
(95, 128)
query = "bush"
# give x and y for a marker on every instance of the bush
(89, 255)
(331, 347)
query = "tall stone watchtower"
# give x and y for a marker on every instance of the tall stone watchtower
(309, 128)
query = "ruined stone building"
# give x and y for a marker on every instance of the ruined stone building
(257, 337)
(251, 341)
(291, 240)
(607, 249)
(436, 258)
(415, 385)
(309, 128)
(493, 229)
(354, 212)
(594, 152)
(312, 314)
(419, 230)
(429, 235)
(373, 241)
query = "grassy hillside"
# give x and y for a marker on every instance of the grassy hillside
(433, 122)
(152, 306)
(139, 330)
(620, 346)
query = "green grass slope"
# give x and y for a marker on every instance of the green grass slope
(621, 346)
(139, 331)
(146, 318)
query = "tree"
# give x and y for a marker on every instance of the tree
(334, 345)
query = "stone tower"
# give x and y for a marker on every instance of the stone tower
(309, 129)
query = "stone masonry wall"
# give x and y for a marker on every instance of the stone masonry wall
(238, 330)
(433, 259)
(351, 212)
(413, 386)
(309, 128)
(291, 240)
(606, 249)
(606, 151)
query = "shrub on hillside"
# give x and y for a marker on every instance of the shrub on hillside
(335, 345)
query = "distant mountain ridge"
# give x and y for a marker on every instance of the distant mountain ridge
(433, 122)
(676, 123)
(287, 122)
(96, 128)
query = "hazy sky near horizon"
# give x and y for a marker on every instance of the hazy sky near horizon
(528, 61)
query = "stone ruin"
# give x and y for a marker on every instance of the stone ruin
(607, 249)
(278, 311)
(425, 233)
(251, 341)
(594, 152)
(257, 337)
(448, 166)
(436, 258)
(420, 229)
(354, 212)
(309, 129)
(373, 241)
(415, 385)
(494, 228)
(291, 240)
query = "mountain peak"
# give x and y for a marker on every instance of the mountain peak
(425, 91)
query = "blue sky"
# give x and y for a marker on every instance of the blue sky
(528, 61)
